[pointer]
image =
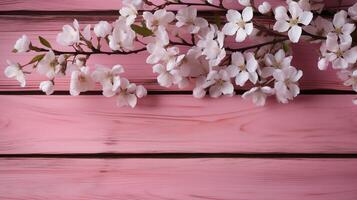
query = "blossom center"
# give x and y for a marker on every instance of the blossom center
(241, 23)
(293, 22)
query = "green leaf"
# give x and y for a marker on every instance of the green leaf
(286, 47)
(37, 58)
(141, 30)
(44, 42)
(217, 19)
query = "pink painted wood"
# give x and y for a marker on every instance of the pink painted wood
(176, 123)
(94, 5)
(136, 69)
(194, 179)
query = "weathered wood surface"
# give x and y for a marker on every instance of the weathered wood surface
(95, 5)
(305, 56)
(176, 123)
(194, 179)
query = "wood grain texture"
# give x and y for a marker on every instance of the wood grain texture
(95, 5)
(176, 123)
(305, 56)
(194, 179)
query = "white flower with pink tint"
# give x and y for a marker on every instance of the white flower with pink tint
(243, 67)
(285, 86)
(339, 53)
(129, 13)
(273, 62)
(103, 29)
(258, 94)
(212, 46)
(81, 81)
(352, 12)
(264, 8)
(49, 66)
(159, 18)
(291, 24)
(128, 93)
(349, 77)
(69, 35)
(320, 27)
(244, 2)
(47, 87)
(239, 24)
(187, 17)
(341, 25)
(22, 44)
(217, 82)
(14, 70)
(122, 37)
(108, 78)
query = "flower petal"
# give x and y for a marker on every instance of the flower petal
(295, 33)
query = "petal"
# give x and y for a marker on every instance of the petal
(227, 88)
(253, 77)
(241, 35)
(247, 14)
(232, 70)
(281, 26)
(295, 10)
(281, 13)
(339, 63)
(141, 91)
(339, 19)
(230, 28)
(347, 29)
(215, 91)
(267, 71)
(233, 16)
(237, 59)
(294, 89)
(351, 55)
(305, 18)
(11, 71)
(248, 28)
(295, 33)
(242, 77)
(117, 69)
(131, 99)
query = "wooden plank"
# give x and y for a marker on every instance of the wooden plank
(223, 179)
(136, 69)
(176, 123)
(94, 5)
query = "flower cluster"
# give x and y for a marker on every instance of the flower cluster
(191, 51)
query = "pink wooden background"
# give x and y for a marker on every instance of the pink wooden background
(171, 146)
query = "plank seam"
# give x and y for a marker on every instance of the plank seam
(186, 155)
(180, 92)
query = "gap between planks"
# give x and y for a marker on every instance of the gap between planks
(164, 155)
(176, 92)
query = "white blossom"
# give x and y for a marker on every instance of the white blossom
(339, 53)
(285, 86)
(244, 2)
(49, 65)
(102, 29)
(187, 17)
(22, 44)
(81, 81)
(136, 3)
(352, 12)
(264, 8)
(122, 37)
(341, 25)
(47, 87)
(13, 70)
(350, 78)
(108, 78)
(291, 24)
(130, 13)
(243, 67)
(239, 24)
(320, 27)
(69, 35)
(274, 62)
(258, 94)
(217, 82)
(128, 93)
(159, 18)
(212, 46)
